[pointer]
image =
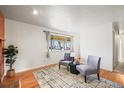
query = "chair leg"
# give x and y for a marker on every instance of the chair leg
(67, 68)
(59, 66)
(85, 77)
(98, 76)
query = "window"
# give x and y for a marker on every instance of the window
(59, 42)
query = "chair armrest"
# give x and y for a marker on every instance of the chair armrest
(62, 60)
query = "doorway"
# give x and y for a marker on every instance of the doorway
(118, 47)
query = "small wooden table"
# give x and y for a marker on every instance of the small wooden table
(73, 69)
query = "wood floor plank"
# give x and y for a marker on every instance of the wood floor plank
(28, 80)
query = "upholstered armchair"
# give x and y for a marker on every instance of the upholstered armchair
(92, 67)
(66, 61)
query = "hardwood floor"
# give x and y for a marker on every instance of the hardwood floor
(28, 80)
(113, 76)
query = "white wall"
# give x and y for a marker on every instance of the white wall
(31, 43)
(96, 39)
(121, 48)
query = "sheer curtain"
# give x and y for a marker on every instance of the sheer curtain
(47, 34)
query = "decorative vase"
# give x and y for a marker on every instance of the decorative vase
(11, 73)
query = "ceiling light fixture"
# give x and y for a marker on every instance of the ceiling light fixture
(35, 12)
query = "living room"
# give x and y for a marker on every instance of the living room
(82, 30)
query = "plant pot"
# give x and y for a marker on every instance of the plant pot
(11, 73)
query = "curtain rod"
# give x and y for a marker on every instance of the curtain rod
(62, 33)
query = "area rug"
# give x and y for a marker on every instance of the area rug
(52, 77)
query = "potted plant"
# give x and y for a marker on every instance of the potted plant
(10, 53)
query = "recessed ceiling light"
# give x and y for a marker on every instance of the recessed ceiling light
(35, 12)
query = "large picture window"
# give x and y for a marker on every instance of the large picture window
(58, 42)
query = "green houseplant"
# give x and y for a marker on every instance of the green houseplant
(10, 54)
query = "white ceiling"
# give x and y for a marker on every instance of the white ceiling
(65, 18)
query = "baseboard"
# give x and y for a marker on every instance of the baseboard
(37, 67)
(18, 71)
(49, 65)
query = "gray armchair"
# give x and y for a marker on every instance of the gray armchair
(92, 67)
(66, 61)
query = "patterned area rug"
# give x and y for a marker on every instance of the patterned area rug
(52, 77)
